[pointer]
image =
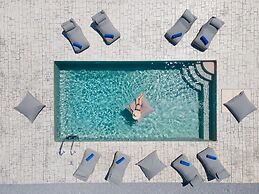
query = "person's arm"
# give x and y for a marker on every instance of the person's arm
(130, 109)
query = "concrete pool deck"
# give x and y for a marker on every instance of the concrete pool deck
(31, 40)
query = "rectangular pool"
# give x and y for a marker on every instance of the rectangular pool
(91, 96)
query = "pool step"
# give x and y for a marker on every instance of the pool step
(189, 80)
(202, 73)
(205, 84)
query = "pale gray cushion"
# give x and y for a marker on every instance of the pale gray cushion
(102, 24)
(151, 165)
(207, 31)
(212, 165)
(87, 165)
(75, 36)
(187, 171)
(118, 167)
(30, 107)
(183, 25)
(240, 106)
(146, 108)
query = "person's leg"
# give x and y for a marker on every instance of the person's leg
(140, 98)
(138, 102)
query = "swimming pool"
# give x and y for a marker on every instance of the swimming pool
(91, 96)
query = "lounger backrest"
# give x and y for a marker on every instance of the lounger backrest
(217, 23)
(188, 16)
(69, 25)
(100, 17)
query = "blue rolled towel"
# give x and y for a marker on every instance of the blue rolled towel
(176, 35)
(204, 40)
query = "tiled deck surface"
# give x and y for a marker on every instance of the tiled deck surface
(30, 39)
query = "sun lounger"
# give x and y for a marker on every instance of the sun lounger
(182, 26)
(213, 167)
(30, 107)
(151, 165)
(207, 33)
(118, 167)
(240, 106)
(102, 24)
(75, 36)
(87, 165)
(187, 171)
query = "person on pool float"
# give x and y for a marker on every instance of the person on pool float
(136, 113)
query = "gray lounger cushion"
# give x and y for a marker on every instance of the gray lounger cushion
(30, 107)
(75, 36)
(187, 171)
(118, 167)
(151, 165)
(146, 108)
(102, 24)
(183, 25)
(207, 33)
(87, 165)
(213, 167)
(240, 106)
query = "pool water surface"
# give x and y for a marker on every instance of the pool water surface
(91, 97)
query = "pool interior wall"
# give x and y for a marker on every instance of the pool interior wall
(184, 100)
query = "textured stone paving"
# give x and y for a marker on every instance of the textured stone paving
(30, 40)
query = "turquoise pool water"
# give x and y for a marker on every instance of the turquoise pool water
(90, 101)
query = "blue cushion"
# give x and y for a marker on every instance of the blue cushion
(204, 40)
(77, 45)
(184, 163)
(211, 157)
(108, 36)
(176, 35)
(89, 157)
(120, 160)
